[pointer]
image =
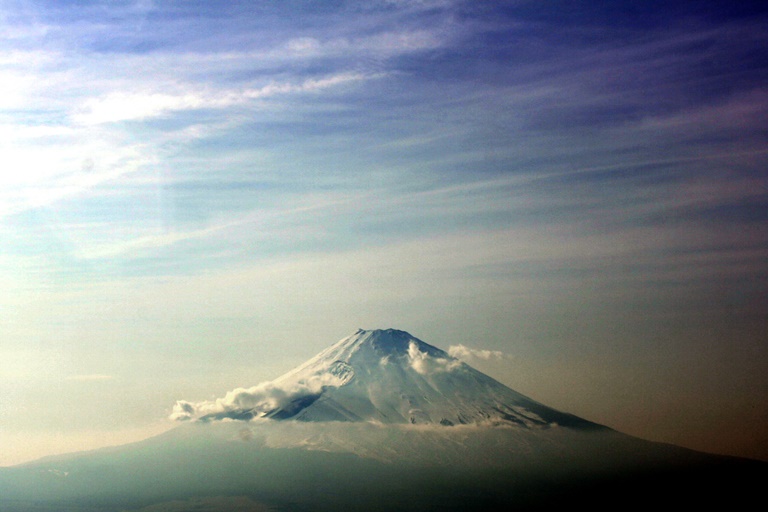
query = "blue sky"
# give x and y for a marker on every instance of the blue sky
(197, 196)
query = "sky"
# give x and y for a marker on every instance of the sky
(197, 196)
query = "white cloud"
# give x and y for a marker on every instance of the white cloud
(425, 364)
(124, 106)
(131, 106)
(255, 401)
(464, 352)
(13, 89)
(183, 411)
(312, 84)
(384, 44)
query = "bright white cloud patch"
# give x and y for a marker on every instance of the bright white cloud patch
(182, 411)
(256, 401)
(464, 352)
(425, 364)
(131, 106)
(122, 106)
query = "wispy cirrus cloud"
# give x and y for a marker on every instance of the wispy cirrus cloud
(84, 96)
(124, 106)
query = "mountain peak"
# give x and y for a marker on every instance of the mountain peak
(384, 342)
(391, 336)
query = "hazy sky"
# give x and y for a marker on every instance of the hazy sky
(199, 195)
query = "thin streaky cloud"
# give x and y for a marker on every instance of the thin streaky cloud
(263, 221)
(463, 352)
(121, 106)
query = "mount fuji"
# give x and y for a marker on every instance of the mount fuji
(389, 376)
(379, 421)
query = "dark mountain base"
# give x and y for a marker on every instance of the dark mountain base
(728, 484)
(294, 466)
(306, 481)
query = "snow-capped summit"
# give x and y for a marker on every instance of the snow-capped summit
(388, 376)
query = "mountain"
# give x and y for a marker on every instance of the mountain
(379, 421)
(389, 376)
